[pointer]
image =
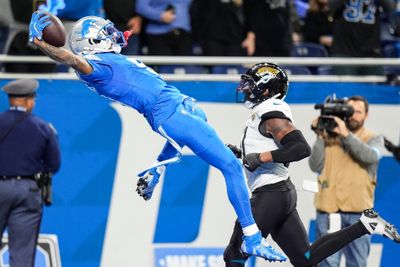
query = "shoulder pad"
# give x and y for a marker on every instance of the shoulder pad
(272, 105)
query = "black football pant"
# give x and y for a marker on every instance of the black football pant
(274, 209)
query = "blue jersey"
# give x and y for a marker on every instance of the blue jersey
(130, 82)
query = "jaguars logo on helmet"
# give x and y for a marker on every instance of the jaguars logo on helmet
(261, 82)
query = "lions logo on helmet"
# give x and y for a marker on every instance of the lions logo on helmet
(91, 35)
(261, 82)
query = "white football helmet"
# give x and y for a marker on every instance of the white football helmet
(91, 35)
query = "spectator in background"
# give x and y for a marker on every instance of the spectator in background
(125, 19)
(28, 146)
(271, 27)
(346, 161)
(17, 14)
(218, 26)
(168, 29)
(356, 32)
(318, 24)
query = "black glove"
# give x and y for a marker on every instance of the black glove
(392, 148)
(252, 161)
(236, 151)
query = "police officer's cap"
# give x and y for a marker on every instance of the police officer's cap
(21, 88)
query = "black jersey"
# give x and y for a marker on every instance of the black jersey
(270, 21)
(356, 30)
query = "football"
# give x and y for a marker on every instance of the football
(54, 34)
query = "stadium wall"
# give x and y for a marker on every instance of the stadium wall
(100, 220)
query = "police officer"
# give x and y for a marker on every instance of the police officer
(28, 146)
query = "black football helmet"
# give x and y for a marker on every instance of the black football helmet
(261, 82)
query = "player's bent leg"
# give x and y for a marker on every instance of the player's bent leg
(356, 252)
(377, 225)
(321, 229)
(203, 140)
(233, 257)
(218, 156)
(291, 236)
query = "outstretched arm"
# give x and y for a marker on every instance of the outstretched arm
(38, 23)
(64, 56)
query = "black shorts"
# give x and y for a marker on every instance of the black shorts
(274, 210)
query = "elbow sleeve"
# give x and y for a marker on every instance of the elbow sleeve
(294, 148)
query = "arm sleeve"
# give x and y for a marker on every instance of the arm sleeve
(365, 153)
(317, 158)
(294, 147)
(148, 11)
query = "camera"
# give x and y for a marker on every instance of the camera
(332, 107)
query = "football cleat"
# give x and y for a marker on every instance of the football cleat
(376, 225)
(258, 246)
(148, 181)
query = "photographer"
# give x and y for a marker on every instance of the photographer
(346, 158)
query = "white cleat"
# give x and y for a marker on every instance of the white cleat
(376, 225)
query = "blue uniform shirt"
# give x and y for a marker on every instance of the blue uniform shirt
(130, 82)
(31, 147)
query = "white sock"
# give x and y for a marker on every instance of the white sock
(250, 230)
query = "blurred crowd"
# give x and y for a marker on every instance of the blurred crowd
(270, 28)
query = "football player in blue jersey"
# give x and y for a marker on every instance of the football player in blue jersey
(96, 58)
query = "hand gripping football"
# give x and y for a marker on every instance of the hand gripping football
(54, 34)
